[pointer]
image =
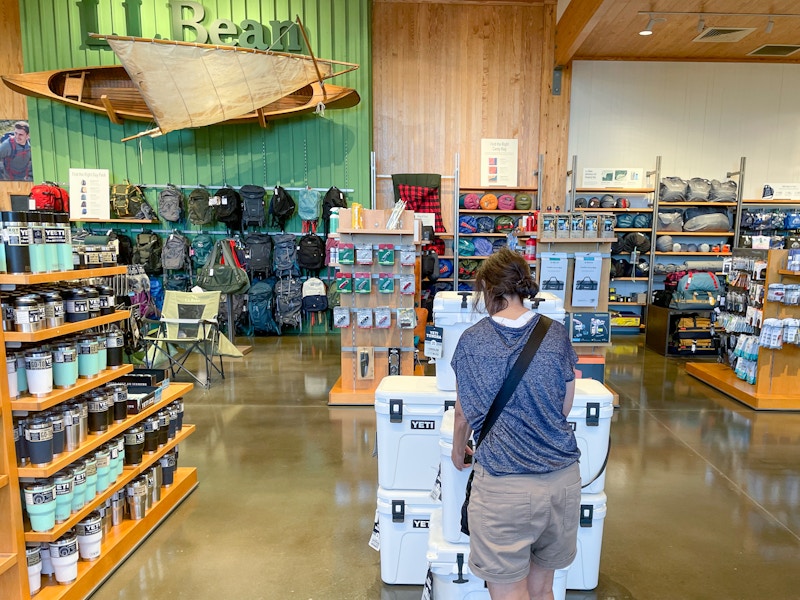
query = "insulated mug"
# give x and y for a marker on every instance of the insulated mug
(40, 504)
(34, 558)
(103, 461)
(39, 439)
(134, 445)
(64, 481)
(79, 485)
(64, 556)
(168, 464)
(90, 534)
(136, 492)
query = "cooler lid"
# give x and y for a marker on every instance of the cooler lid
(591, 390)
(412, 391)
(411, 503)
(456, 302)
(442, 553)
(548, 304)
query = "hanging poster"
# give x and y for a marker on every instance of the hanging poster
(499, 162)
(590, 327)
(89, 194)
(586, 279)
(553, 276)
(613, 177)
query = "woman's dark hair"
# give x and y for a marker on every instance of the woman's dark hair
(504, 272)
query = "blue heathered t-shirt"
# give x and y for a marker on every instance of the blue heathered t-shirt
(531, 435)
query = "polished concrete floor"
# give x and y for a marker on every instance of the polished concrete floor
(703, 493)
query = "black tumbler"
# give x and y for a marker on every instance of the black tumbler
(134, 445)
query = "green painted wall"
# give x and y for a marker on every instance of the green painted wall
(310, 150)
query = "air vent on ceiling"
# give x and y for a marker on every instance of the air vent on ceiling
(774, 50)
(724, 34)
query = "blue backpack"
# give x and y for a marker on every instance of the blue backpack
(157, 293)
(260, 299)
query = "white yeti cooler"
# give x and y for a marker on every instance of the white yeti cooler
(584, 572)
(590, 419)
(451, 578)
(403, 523)
(408, 412)
(454, 312)
(454, 484)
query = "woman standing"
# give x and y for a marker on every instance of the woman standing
(525, 499)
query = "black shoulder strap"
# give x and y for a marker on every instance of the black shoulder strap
(514, 376)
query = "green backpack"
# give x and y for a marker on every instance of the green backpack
(202, 245)
(200, 211)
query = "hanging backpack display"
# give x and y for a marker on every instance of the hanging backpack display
(202, 244)
(260, 303)
(308, 209)
(258, 253)
(311, 252)
(228, 204)
(126, 200)
(315, 296)
(175, 254)
(288, 302)
(124, 247)
(170, 203)
(200, 211)
(253, 206)
(284, 254)
(281, 208)
(148, 253)
(334, 198)
(48, 196)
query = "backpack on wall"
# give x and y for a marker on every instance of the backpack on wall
(281, 208)
(229, 207)
(334, 198)
(170, 203)
(148, 253)
(284, 254)
(288, 302)
(311, 252)
(308, 207)
(126, 200)
(175, 254)
(253, 207)
(201, 248)
(48, 196)
(258, 253)
(315, 296)
(124, 247)
(260, 303)
(200, 211)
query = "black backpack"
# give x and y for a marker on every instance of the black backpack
(125, 243)
(311, 252)
(229, 208)
(258, 253)
(281, 208)
(334, 198)
(253, 211)
(148, 252)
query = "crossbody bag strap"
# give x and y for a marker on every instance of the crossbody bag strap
(514, 376)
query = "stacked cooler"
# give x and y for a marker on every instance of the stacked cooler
(590, 418)
(408, 413)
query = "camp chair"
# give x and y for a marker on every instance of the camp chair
(188, 324)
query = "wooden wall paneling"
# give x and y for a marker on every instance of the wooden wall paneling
(554, 123)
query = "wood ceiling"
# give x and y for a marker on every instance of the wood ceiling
(609, 30)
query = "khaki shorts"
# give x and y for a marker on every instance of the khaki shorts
(516, 519)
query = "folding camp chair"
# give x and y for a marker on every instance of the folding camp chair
(188, 324)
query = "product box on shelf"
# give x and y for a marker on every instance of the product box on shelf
(454, 312)
(584, 572)
(590, 418)
(140, 398)
(409, 413)
(161, 375)
(451, 578)
(403, 522)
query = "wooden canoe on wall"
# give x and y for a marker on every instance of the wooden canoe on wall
(108, 90)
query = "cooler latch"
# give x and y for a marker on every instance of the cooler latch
(592, 414)
(587, 515)
(398, 511)
(395, 411)
(449, 404)
(464, 296)
(460, 562)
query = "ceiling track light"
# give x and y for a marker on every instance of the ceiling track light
(701, 25)
(770, 25)
(649, 29)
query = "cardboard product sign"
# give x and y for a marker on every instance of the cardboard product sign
(553, 274)
(586, 279)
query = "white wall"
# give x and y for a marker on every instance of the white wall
(700, 117)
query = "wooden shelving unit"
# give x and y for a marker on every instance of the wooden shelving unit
(777, 385)
(123, 538)
(132, 221)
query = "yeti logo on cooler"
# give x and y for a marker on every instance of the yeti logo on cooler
(420, 524)
(415, 424)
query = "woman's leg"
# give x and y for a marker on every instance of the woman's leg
(540, 583)
(509, 591)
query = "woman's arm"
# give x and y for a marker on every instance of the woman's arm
(568, 398)
(461, 432)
